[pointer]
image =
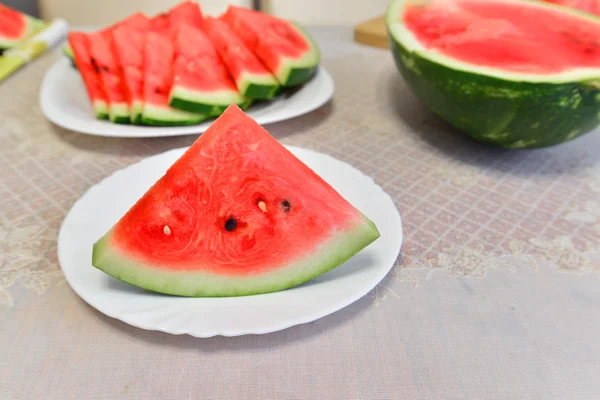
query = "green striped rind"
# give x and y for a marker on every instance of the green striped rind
(296, 71)
(167, 116)
(203, 102)
(258, 86)
(34, 25)
(495, 107)
(100, 109)
(329, 255)
(119, 113)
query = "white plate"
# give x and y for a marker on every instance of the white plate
(98, 209)
(64, 101)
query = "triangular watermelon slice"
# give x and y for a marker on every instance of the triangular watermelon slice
(159, 55)
(128, 45)
(237, 214)
(201, 82)
(251, 76)
(286, 49)
(102, 51)
(90, 73)
(16, 27)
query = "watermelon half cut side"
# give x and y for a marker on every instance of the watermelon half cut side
(90, 73)
(16, 27)
(515, 74)
(201, 82)
(251, 77)
(159, 54)
(236, 214)
(284, 47)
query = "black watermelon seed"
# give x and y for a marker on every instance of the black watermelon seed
(105, 68)
(286, 205)
(95, 65)
(230, 224)
(157, 91)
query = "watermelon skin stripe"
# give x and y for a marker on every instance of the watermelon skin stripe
(332, 252)
(506, 113)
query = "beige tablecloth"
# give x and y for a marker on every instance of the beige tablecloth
(496, 295)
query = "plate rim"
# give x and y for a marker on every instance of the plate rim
(46, 106)
(210, 332)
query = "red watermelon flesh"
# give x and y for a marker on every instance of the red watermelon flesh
(90, 73)
(284, 48)
(201, 81)
(251, 76)
(237, 214)
(128, 46)
(186, 13)
(506, 35)
(15, 26)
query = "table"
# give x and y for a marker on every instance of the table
(496, 294)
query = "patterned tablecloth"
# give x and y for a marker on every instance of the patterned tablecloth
(496, 294)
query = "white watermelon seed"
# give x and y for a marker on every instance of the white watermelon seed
(262, 205)
(167, 230)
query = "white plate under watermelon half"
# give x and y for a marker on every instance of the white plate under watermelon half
(234, 235)
(174, 73)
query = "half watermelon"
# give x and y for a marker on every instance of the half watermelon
(201, 81)
(251, 76)
(237, 214)
(16, 27)
(511, 73)
(285, 48)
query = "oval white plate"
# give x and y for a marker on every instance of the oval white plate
(64, 101)
(103, 204)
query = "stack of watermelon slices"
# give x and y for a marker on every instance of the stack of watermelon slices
(181, 67)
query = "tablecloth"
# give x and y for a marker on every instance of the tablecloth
(496, 294)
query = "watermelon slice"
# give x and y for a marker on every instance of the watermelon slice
(251, 77)
(158, 79)
(90, 73)
(101, 50)
(128, 46)
(237, 214)
(201, 82)
(16, 27)
(284, 47)
(159, 55)
(511, 73)
(110, 76)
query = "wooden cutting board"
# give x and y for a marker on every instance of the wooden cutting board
(372, 33)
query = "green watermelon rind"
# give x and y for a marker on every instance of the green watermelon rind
(330, 254)
(100, 109)
(296, 71)
(502, 109)
(119, 113)
(34, 25)
(257, 86)
(167, 116)
(203, 102)
(137, 109)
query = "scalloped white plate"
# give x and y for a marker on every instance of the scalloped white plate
(103, 204)
(64, 101)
